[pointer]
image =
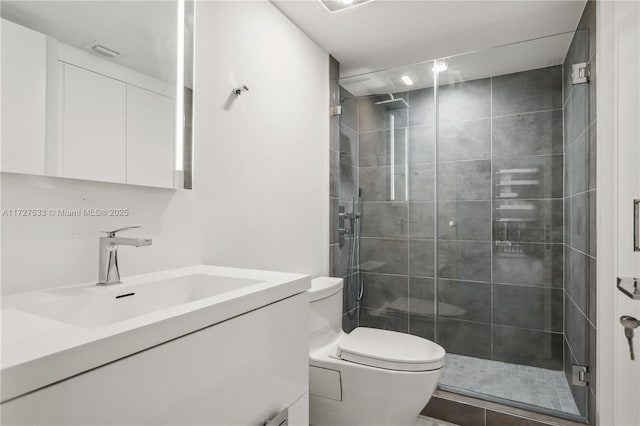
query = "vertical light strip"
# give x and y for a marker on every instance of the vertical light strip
(436, 183)
(180, 90)
(406, 161)
(392, 155)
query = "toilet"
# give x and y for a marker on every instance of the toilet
(369, 376)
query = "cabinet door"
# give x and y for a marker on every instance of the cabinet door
(94, 126)
(150, 138)
(24, 78)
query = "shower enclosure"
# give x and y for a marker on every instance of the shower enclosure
(474, 179)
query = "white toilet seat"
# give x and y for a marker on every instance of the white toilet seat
(390, 350)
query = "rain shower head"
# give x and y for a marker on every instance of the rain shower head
(393, 103)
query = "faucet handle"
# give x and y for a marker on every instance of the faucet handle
(113, 233)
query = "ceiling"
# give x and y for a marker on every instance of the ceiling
(144, 32)
(391, 33)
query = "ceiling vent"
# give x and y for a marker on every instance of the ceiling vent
(334, 6)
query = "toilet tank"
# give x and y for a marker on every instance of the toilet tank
(325, 310)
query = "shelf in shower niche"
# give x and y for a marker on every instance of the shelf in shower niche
(508, 195)
(519, 183)
(513, 219)
(515, 171)
(516, 207)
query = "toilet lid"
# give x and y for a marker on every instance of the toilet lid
(390, 350)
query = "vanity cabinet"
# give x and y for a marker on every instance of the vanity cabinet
(242, 371)
(24, 93)
(115, 131)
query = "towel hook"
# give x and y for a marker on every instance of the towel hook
(238, 90)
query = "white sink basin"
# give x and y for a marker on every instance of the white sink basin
(51, 335)
(100, 306)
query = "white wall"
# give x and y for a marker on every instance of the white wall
(260, 197)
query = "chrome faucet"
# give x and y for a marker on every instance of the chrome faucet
(108, 272)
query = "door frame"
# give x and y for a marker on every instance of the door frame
(607, 349)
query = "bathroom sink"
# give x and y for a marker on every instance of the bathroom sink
(102, 305)
(51, 335)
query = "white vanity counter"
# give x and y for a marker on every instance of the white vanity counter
(49, 336)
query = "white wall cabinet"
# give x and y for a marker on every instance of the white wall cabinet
(24, 78)
(150, 138)
(94, 126)
(116, 132)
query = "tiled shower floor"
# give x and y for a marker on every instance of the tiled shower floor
(521, 383)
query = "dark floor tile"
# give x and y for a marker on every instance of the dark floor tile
(466, 140)
(528, 91)
(528, 347)
(454, 412)
(465, 180)
(464, 220)
(468, 100)
(528, 177)
(495, 418)
(384, 219)
(528, 264)
(528, 307)
(528, 134)
(465, 338)
(464, 260)
(464, 300)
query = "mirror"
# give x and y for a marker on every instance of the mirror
(98, 90)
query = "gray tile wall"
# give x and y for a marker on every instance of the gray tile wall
(579, 206)
(343, 190)
(499, 242)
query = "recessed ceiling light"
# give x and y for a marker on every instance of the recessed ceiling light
(333, 6)
(439, 66)
(407, 80)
